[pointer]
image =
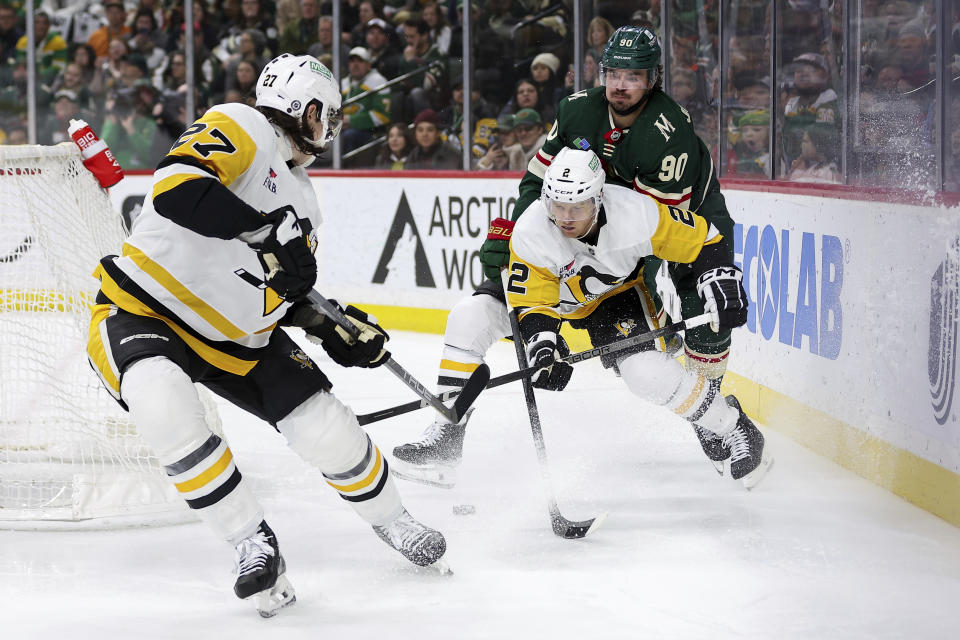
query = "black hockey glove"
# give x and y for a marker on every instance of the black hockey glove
(366, 351)
(291, 268)
(543, 351)
(721, 290)
(495, 251)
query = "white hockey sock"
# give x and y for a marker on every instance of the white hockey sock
(325, 433)
(654, 376)
(170, 417)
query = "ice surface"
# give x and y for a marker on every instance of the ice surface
(813, 552)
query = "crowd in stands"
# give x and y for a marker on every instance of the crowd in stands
(122, 67)
(891, 135)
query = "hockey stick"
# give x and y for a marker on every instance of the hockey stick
(474, 385)
(562, 527)
(573, 358)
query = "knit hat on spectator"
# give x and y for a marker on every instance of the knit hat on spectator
(912, 28)
(376, 22)
(66, 93)
(813, 59)
(427, 115)
(359, 52)
(547, 60)
(505, 123)
(756, 118)
(526, 116)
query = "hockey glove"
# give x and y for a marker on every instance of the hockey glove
(365, 351)
(291, 268)
(721, 290)
(543, 351)
(495, 251)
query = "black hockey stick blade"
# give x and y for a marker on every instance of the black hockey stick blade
(476, 383)
(573, 530)
(465, 397)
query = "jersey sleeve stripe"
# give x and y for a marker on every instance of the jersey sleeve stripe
(538, 165)
(166, 280)
(660, 196)
(163, 185)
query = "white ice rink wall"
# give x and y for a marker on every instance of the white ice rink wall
(851, 342)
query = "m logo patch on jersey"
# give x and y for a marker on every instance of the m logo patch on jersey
(301, 358)
(626, 327)
(665, 127)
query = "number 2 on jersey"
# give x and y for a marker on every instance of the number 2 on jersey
(519, 273)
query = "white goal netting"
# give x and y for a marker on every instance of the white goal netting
(67, 450)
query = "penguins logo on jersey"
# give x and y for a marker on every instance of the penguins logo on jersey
(298, 356)
(626, 327)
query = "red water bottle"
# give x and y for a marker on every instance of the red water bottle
(97, 157)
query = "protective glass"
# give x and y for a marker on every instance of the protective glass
(334, 124)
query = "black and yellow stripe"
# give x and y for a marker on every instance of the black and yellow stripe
(227, 356)
(206, 475)
(365, 480)
(98, 348)
(453, 374)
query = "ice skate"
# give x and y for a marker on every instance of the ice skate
(434, 458)
(747, 460)
(260, 573)
(711, 443)
(418, 543)
(713, 447)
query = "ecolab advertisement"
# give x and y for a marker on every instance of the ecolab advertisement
(853, 305)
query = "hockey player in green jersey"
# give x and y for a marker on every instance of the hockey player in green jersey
(645, 141)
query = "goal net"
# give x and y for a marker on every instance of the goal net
(67, 451)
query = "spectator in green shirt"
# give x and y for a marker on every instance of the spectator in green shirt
(362, 120)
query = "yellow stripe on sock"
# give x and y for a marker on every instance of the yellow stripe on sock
(692, 398)
(191, 485)
(356, 486)
(453, 365)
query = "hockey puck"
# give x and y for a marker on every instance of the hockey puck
(464, 509)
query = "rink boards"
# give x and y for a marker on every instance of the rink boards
(851, 342)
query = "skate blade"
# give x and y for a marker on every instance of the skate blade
(753, 478)
(270, 601)
(442, 476)
(718, 466)
(440, 567)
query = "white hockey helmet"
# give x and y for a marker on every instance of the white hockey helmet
(290, 83)
(574, 176)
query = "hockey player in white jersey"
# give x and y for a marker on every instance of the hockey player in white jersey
(577, 256)
(220, 258)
